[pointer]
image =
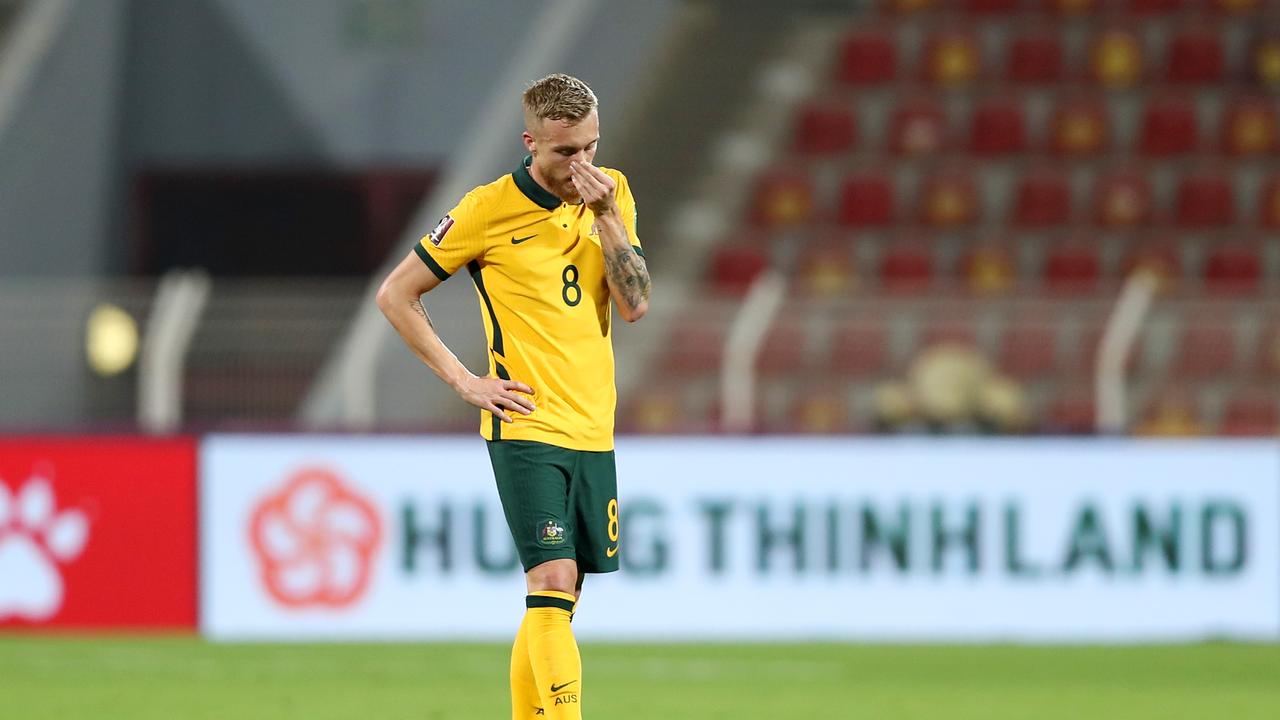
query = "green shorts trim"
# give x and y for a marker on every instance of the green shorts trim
(559, 503)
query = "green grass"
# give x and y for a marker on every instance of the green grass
(144, 678)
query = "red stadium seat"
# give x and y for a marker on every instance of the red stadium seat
(998, 127)
(1249, 128)
(918, 127)
(826, 269)
(1029, 348)
(858, 349)
(783, 351)
(867, 57)
(1169, 127)
(825, 128)
(1043, 199)
(1233, 269)
(947, 329)
(1122, 199)
(735, 265)
(1157, 257)
(695, 347)
(990, 7)
(1115, 59)
(1195, 57)
(1251, 412)
(1207, 348)
(1071, 7)
(949, 198)
(782, 197)
(906, 268)
(1206, 198)
(1035, 57)
(866, 199)
(951, 59)
(1071, 412)
(1269, 203)
(1073, 268)
(1079, 127)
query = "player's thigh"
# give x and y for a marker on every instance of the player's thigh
(533, 485)
(594, 497)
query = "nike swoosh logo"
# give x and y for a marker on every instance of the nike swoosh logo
(611, 551)
(557, 688)
(517, 241)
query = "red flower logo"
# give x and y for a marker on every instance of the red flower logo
(315, 541)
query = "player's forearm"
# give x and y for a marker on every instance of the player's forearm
(410, 319)
(625, 271)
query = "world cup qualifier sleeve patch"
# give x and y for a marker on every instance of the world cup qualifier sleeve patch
(437, 235)
(551, 534)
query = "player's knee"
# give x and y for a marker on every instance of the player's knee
(558, 575)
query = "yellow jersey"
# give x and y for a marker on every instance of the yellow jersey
(539, 272)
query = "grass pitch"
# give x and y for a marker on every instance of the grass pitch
(103, 678)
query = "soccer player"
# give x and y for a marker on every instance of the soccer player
(547, 246)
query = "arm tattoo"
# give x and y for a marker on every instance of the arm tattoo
(629, 274)
(416, 305)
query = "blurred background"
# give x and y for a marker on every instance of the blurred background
(919, 218)
(945, 197)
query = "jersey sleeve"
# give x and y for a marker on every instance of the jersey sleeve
(627, 206)
(458, 239)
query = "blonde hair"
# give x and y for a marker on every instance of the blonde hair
(558, 97)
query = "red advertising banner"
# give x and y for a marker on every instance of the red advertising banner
(98, 533)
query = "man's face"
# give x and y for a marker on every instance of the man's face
(556, 143)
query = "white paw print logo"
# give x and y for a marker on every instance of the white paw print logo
(34, 540)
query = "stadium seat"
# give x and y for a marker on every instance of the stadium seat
(1249, 128)
(1233, 269)
(990, 7)
(1034, 58)
(817, 410)
(1115, 59)
(656, 410)
(1251, 412)
(906, 268)
(1269, 203)
(1043, 199)
(1029, 348)
(866, 199)
(867, 57)
(989, 269)
(1070, 7)
(1122, 198)
(1157, 257)
(947, 328)
(951, 59)
(825, 128)
(1072, 411)
(695, 347)
(783, 350)
(1072, 268)
(858, 349)
(1169, 127)
(1207, 348)
(782, 197)
(1195, 57)
(735, 265)
(1172, 413)
(1266, 61)
(918, 127)
(949, 198)
(1205, 198)
(826, 269)
(1079, 128)
(998, 127)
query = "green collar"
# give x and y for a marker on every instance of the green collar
(541, 196)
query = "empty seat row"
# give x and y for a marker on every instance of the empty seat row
(1169, 125)
(1122, 197)
(1117, 58)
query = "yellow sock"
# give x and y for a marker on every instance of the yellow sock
(526, 704)
(553, 654)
